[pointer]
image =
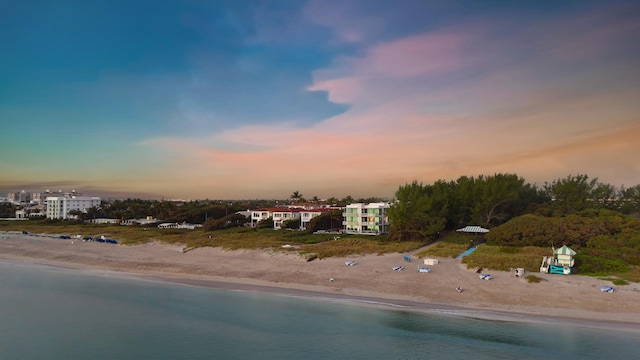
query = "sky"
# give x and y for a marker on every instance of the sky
(256, 99)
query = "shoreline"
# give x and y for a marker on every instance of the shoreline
(388, 303)
(559, 299)
(377, 302)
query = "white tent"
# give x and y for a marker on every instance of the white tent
(474, 229)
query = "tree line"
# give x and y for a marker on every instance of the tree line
(421, 211)
(213, 213)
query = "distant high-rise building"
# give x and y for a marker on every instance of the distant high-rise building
(19, 198)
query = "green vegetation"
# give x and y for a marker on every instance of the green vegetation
(506, 258)
(442, 250)
(451, 245)
(615, 281)
(307, 244)
(597, 220)
(357, 245)
(7, 210)
(532, 279)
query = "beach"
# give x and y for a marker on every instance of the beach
(558, 298)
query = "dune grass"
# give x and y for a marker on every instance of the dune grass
(442, 250)
(506, 258)
(324, 246)
(450, 245)
(348, 246)
(310, 245)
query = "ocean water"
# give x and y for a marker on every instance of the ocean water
(55, 313)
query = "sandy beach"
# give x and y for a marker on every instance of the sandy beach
(559, 298)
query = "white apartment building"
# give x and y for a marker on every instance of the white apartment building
(279, 215)
(259, 215)
(367, 219)
(58, 207)
(307, 215)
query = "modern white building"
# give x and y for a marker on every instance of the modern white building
(307, 215)
(183, 225)
(282, 214)
(367, 219)
(58, 207)
(259, 215)
(146, 221)
(279, 215)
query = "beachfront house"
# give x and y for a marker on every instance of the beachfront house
(278, 214)
(367, 219)
(307, 215)
(182, 225)
(149, 220)
(259, 215)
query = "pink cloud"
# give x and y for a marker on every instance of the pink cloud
(420, 55)
(417, 57)
(414, 115)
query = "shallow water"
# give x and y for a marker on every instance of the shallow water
(54, 313)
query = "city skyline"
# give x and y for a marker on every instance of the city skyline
(255, 99)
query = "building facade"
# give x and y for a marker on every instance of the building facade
(307, 215)
(58, 207)
(19, 198)
(366, 219)
(278, 214)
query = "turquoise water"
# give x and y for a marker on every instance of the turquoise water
(53, 313)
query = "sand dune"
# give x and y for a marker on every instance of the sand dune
(558, 298)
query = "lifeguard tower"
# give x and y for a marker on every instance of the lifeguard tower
(560, 263)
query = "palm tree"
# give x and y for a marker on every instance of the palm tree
(296, 196)
(348, 199)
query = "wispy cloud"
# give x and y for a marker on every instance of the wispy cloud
(349, 98)
(443, 104)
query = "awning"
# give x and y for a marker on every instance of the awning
(473, 229)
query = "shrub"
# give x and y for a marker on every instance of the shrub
(532, 279)
(596, 265)
(620, 282)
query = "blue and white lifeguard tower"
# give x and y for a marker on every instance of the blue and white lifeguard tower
(560, 263)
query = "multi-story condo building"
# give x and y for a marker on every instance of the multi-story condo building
(367, 219)
(19, 198)
(58, 207)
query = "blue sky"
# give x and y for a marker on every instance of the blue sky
(257, 99)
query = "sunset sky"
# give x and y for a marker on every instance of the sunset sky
(257, 99)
